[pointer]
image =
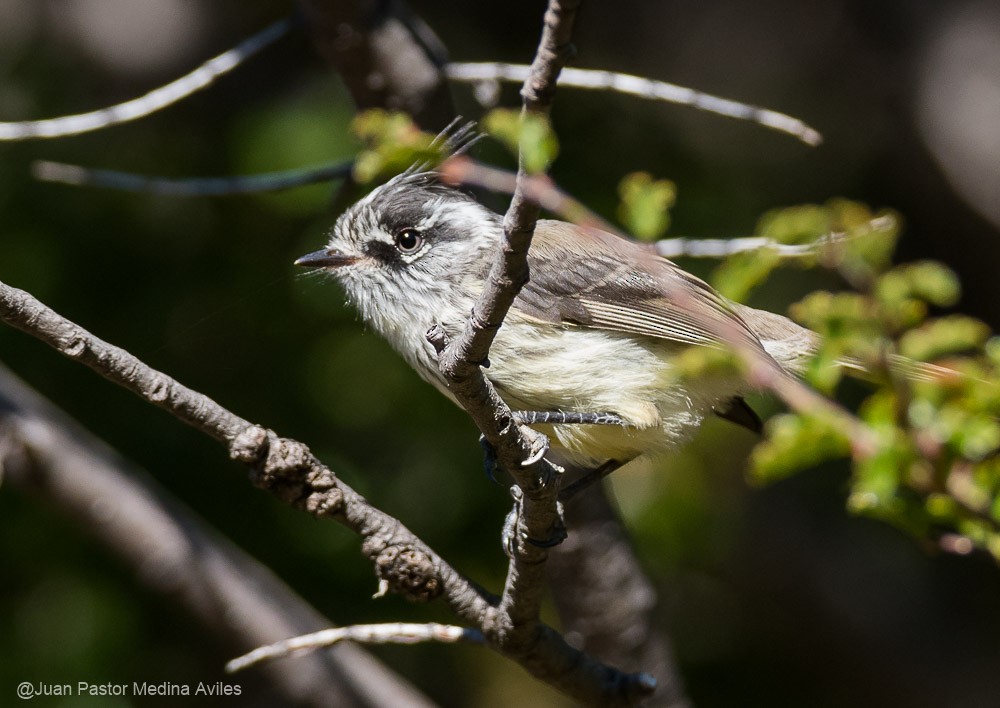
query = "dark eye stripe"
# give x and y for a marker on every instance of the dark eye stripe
(384, 252)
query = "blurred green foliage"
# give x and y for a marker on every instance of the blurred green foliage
(393, 143)
(929, 463)
(529, 133)
(645, 205)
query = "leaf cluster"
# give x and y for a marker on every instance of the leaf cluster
(931, 463)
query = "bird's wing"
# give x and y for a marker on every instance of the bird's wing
(602, 281)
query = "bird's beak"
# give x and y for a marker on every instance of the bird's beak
(326, 258)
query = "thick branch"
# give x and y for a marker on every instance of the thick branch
(287, 469)
(284, 467)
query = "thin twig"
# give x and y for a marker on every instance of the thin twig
(389, 633)
(476, 72)
(683, 247)
(192, 186)
(725, 247)
(155, 100)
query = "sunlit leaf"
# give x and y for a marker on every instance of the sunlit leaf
(794, 443)
(529, 133)
(741, 273)
(943, 336)
(797, 224)
(645, 204)
(927, 280)
(393, 143)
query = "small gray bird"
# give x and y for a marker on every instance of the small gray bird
(586, 349)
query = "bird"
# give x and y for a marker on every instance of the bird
(586, 353)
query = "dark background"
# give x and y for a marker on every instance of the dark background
(773, 596)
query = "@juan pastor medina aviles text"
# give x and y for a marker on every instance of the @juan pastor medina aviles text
(27, 690)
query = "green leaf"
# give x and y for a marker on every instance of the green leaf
(927, 280)
(824, 372)
(992, 350)
(393, 143)
(877, 479)
(977, 436)
(645, 204)
(529, 134)
(793, 443)
(797, 224)
(943, 336)
(739, 274)
(871, 239)
(848, 320)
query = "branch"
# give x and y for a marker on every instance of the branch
(459, 362)
(155, 100)
(519, 449)
(681, 247)
(392, 633)
(288, 470)
(245, 184)
(239, 602)
(643, 88)
(281, 466)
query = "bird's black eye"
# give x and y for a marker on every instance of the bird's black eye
(409, 241)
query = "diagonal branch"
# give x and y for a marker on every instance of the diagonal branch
(287, 469)
(202, 77)
(539, 189)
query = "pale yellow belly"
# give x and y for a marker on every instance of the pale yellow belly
(542, 368)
